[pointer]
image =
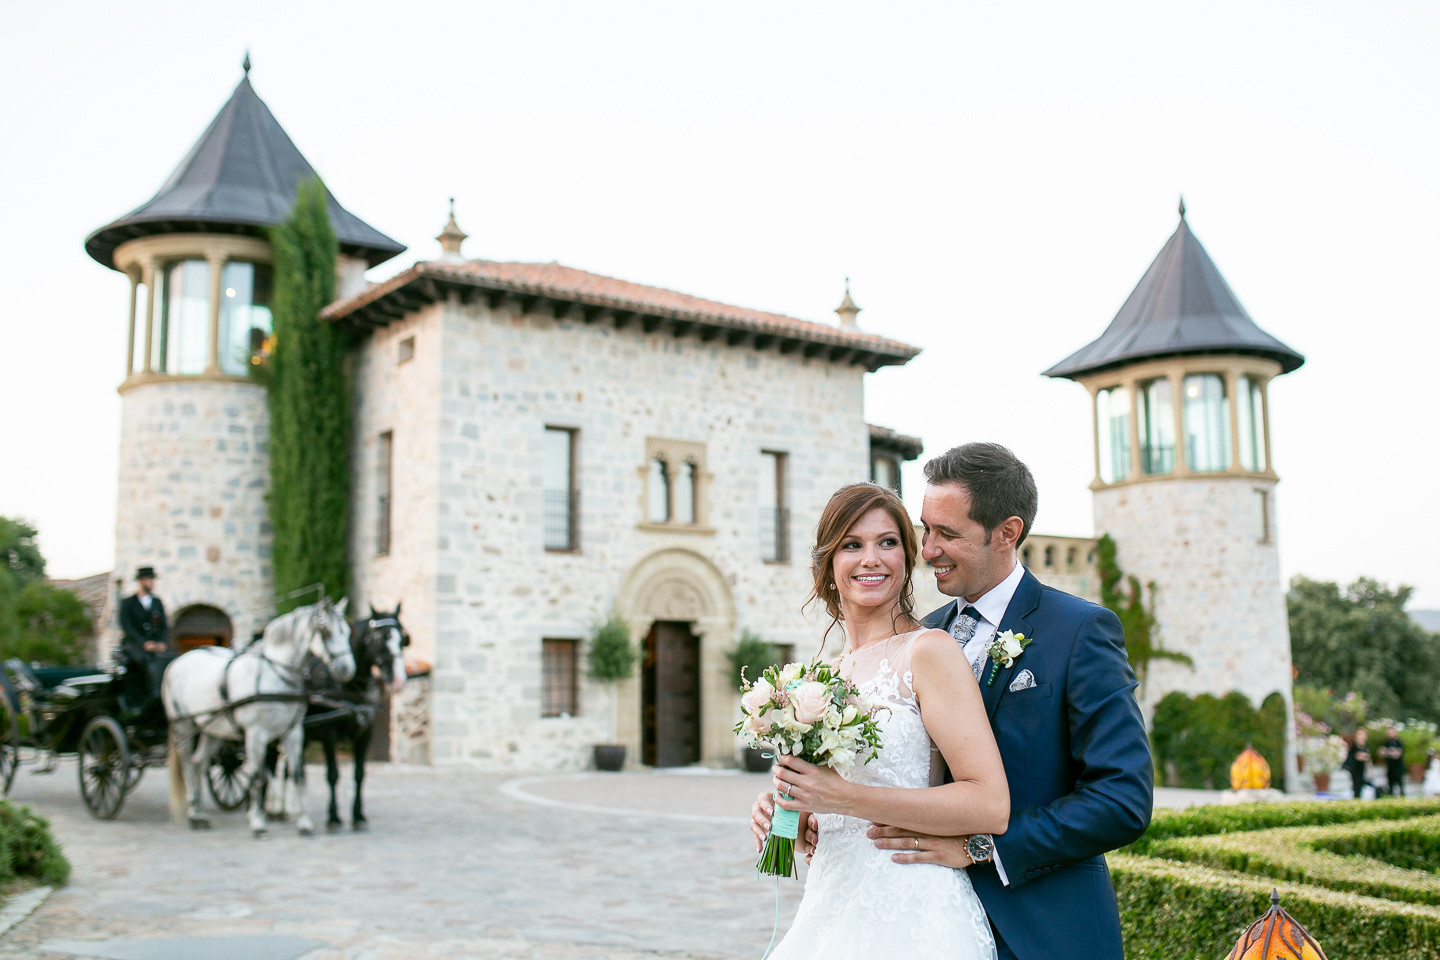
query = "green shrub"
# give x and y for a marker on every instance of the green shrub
(750, 658)
(1409, 847)
(1196, 739)
(27, 848)
(612, 656)
(1202, 821)
(1304, 855)
(1170, 911)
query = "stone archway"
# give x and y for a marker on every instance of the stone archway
(201, 625)
(676, 600)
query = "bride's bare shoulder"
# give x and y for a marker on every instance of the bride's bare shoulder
(934, 644)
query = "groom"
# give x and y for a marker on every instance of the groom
(1063, 712)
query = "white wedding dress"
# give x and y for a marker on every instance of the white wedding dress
(859, 904)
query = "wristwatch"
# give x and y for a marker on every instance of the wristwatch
(980, 847)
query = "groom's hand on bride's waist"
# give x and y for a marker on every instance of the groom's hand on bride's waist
(911, 847)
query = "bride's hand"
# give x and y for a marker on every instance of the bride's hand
(912, 847)
(817, 789)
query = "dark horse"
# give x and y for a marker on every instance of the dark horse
(347, 710)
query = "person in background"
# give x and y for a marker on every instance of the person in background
(146, 644)
(1357, 761)
(1393, 753)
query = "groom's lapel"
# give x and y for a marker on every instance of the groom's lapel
(1022, 605)
(940, 619)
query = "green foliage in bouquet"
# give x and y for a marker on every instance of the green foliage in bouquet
(28, 850)
(611, 656)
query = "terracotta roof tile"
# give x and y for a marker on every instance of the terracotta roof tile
(567, 284)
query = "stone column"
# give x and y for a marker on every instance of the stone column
(1177, 405)
(1232, 394)
(1268, 466)
(217, 267)
(147, 274)
(130, 343)
(1095, 416)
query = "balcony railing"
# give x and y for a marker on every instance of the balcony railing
(775, 534)
(562, 519)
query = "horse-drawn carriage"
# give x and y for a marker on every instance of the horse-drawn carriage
(218, 703)
(60, 711)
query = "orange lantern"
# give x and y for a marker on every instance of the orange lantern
(1276, 936)
(1250, 771)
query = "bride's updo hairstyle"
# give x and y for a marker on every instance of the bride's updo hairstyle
(844, 510)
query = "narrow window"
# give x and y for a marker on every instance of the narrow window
(383, 477)
(245, 322)
(1207, 423)
(774, 511)
(1112, 416)
(685, 493)
(182, 341)
(1049, 556)
(405, 351)
(1262, 516)
(558, 678)
(558, 486)
(658, 487)
(1157, 427)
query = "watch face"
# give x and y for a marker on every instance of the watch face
(980, 847)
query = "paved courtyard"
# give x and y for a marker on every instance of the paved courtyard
(456, 864)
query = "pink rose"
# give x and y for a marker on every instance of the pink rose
(757, 696)
(811, 700)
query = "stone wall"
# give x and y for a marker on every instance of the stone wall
(1217, 571)
(482, 387)
(194, 467)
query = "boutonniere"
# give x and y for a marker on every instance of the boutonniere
(1003, 651)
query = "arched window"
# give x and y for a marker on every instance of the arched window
(244, 314)
(1251, 419)
(659, 490)
(1207, 423)
(181, 342)
(685, 493)
(1112, 416)
(1049, 556)
(1156, 413)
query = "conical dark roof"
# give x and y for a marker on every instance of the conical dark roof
(240, 177)
(1181, 306)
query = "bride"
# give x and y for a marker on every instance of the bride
(860, 901)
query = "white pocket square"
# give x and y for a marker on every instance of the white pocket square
(1024, 680)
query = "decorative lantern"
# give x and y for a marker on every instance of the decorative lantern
(1276, 936)
(1250, 771)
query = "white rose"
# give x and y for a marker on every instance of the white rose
(757, 696)
(791, 672)
(1010, 646)
(810, 701)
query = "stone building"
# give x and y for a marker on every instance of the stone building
(1184, 482)
(534, 448)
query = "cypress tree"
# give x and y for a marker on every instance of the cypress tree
(309, 406)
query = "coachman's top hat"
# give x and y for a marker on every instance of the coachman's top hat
(145, 572)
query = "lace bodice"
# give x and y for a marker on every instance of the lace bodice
(859, 904)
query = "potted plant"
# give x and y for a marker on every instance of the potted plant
(747, 661)
(1323, 756)
(611, 658)
(1418, 737)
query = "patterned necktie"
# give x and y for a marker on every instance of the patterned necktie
(962, 629)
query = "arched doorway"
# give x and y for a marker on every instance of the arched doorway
(683, 617)
(200, 625)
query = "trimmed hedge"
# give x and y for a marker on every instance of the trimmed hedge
(1295, 854)
(1408, 847)
(28, 851)
(1203, 821)
(1171, 911)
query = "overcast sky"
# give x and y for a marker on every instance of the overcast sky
(993, 177)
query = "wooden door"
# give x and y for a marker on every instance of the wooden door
(670, 696)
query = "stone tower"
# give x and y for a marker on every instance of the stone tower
(1184, 482)
(194, 424)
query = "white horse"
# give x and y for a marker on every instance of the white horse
(256, 695)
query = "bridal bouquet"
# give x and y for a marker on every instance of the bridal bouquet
(811, 712)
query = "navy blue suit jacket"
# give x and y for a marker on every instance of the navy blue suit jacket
(1077, 758)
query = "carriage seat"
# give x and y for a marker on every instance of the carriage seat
(40, 681)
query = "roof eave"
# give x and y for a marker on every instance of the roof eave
(1289, 362)
(426, 283)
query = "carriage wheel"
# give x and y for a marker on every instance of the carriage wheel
(104, 767)
(228, 786)
(9, 745)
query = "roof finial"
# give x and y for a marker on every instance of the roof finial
(1182, 206)
(451, 238)
(245, 65)
(848, 310)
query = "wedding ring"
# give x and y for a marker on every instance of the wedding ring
(917, 843)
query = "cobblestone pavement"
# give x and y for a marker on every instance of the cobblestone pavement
(457, 864)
